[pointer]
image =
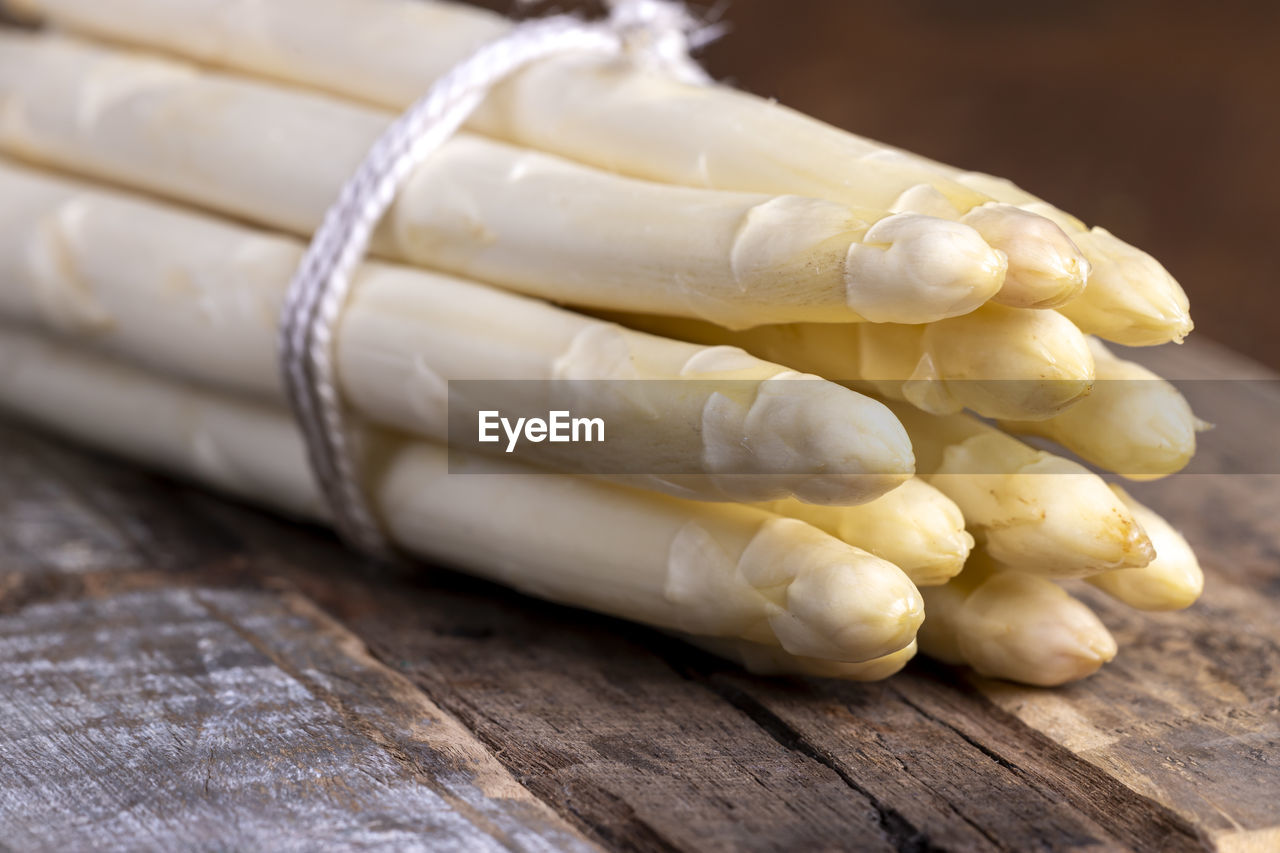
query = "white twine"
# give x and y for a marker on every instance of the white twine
(655, 32)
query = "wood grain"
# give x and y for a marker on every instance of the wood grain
(184, 672)
(154, 718)
(145, 708)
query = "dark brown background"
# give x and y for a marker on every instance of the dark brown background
(1157, 120)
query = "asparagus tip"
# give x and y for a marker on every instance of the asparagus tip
(853, 610)
(911, 268)
(1131, 298)
(1046, 269)
(1028, 629)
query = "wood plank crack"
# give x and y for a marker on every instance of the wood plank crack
(897, 830)
(1133, 819)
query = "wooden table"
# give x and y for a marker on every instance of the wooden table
(180, 672)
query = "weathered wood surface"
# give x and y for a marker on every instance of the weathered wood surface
(180, 672)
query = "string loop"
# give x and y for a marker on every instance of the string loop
(656, 32)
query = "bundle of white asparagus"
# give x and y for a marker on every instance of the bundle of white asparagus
(779, 325)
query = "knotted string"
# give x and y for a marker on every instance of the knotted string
(655, 32)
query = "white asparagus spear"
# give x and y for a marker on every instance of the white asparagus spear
(1131, 299)
(519, 219)
(1171, 581)
(997, 361)
(607, 113)
(1133, 422)
(199, 298)
(771, 660)
(1013, 625)
(1039, 512)
(714, 569)
(916, 527)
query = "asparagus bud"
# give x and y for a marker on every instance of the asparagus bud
(701, 568)
(1171, 581)
(1032, 509)
(833, 601)
(1133, 423)
(1046, 270)
(915, 527)
(996, 361)
(1132, 300)
(1013, 625)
